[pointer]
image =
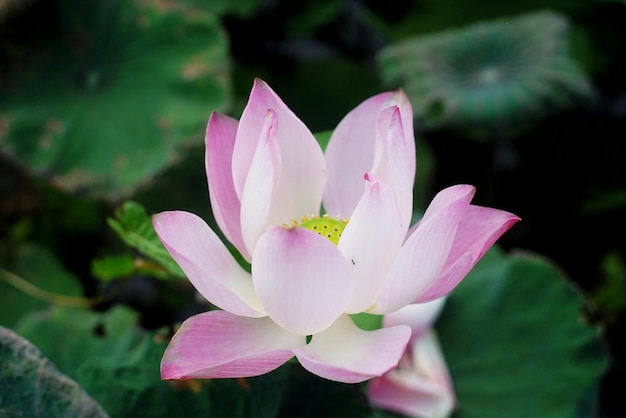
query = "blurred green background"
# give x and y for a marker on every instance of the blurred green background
(105, 102)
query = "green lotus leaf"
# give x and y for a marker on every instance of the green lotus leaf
(31, 386)
(516, 343)
(490, 75)
(108, 99)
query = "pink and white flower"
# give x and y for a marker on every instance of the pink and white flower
(420, 386)
(267, 180)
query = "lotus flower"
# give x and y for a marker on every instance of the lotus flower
(420, 387)
(267, 179)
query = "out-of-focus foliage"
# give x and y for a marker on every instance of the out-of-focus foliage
(436, 15)
(113, 267)
(609, 297)
(45, 278)
(106, 99)
(218, 7)
(605, 201)
(31, 386)
(9, 7)
(516, 343)
(491, 75)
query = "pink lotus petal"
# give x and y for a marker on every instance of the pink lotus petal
(260, 187)
(424, 253)
(207, 263)
(422, 399)
(420, 387)
(392, 161)
(447, 196)
(301, 278)
(350, 151)
(428, 359)
(345, 353)
(218, 344)
(418, 316)
(220, 141)
(371, 240)
(303, 169)
(447, 280)
(479, 229)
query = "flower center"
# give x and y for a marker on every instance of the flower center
(325, 226)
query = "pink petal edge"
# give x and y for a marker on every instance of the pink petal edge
(371, 240)
(260, 186)
(220, 141)
(350, 151)
(479, 229)
(303, 168)
(217, 344)
(392, 161)
(424, 253)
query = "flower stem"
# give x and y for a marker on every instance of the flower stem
(38, 293)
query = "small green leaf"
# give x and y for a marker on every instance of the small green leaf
(113, 267)
(610, 294)
(134, 226)
(368, 322)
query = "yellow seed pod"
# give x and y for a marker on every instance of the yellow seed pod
(327, 227)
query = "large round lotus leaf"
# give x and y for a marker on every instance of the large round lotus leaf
(31, 386)
(490, 75)
(516, 343)
(109, 97)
